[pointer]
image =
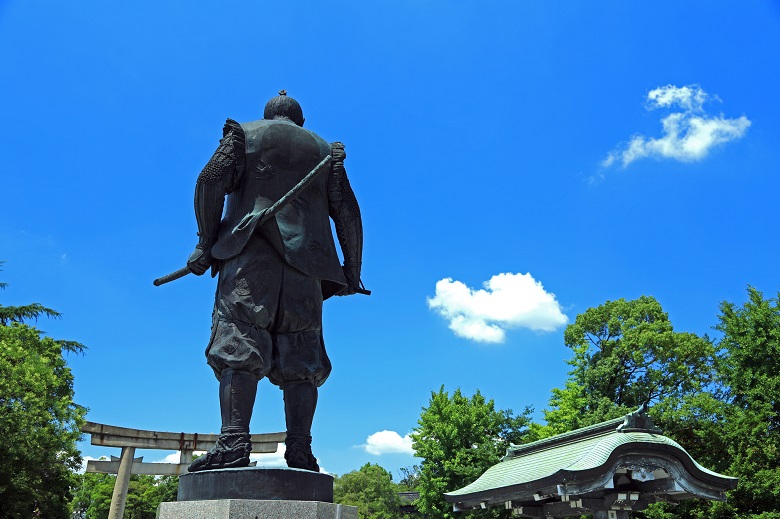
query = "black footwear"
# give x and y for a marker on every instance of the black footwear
(231, 451)
(300, 401)
(298, 453)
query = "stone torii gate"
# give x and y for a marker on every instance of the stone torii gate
(131, 439)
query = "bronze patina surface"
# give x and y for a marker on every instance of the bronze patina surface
(277, 262)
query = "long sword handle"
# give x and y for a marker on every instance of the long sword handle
(173, 276)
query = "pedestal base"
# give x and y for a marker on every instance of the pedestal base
(253, 509)
(257, 483)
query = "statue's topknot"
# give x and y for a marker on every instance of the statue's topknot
(284, 106)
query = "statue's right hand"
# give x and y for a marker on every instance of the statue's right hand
(352, 274)
(199, 261)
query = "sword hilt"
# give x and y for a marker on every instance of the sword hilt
(173, 276)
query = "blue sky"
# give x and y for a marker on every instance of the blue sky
(564, 153)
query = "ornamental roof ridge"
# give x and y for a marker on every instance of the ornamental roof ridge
(639, 421)
(636, 421)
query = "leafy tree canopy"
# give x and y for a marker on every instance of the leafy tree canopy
(750, 369)
(39, 421)
(721, 401)
(92, 499)
(625, 354)
(410, 478)
(459, 438)
(371, 490)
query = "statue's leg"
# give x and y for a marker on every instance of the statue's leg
(237, 391)
(300, 363)
(300, 402)
(240, 343)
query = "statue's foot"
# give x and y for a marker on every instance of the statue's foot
(302, 460)
(231, 451)
(298, 453)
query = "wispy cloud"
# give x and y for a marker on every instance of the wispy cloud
(689, 132)
(506, 301)
(388, 442)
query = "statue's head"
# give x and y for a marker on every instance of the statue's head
(284, 107)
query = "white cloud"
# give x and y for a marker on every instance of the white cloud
(690, 97)
(388, 442)
(506, 301)
(270, 459)
(688, 135)
(274, 459)
(174, 457)
(84, 461)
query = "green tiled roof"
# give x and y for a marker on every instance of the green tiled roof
(572, 452)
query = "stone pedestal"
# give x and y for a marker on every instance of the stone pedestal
(257, 483)
(254, 509)
(255, 493)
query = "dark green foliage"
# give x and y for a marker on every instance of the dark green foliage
(750, 369)
(738, 428)
(93, 496)
(458, 438)
(721, 402)
(92, 499)
(751, 361)
(737, 424)
(371, 490)
(39, 422)
(410, 478)
(625, 354)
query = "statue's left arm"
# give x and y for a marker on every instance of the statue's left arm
(218, 178)
(345, 212)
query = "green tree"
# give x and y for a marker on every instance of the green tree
(625, 354)
(145, 493)
(750, 368)
(720, 401)
(92, 499)
(410, 478)
(458, 438)
(740, 435)
(371, 490)
(39, 421)
(167, 489)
